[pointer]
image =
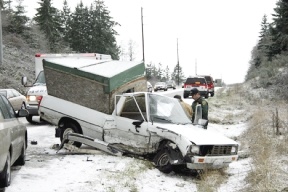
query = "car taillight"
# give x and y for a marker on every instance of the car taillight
(39, 99)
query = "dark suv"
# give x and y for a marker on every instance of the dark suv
(210, 83)
(199, 82)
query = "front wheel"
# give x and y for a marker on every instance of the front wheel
(212, 94)
(162, 161)
(5, 177)
(29, 119)
(70, 128)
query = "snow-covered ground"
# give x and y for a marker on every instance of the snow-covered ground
(48, 171)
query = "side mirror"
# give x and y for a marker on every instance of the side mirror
(22, 113)
(24, 80)
(198, 114)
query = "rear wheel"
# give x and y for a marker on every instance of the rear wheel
(70, 128)
(5, 177)
(185, 95)
(212, 94)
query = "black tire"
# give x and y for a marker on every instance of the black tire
(29, 119)
(162, 161)
(5, 176)
(185, 95)
(206, 96)
(70, 128)
(212, 94)
(21, 159)
(179, 168)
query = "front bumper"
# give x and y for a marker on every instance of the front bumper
(211, 162)
(160, 88)
(33, 110)
(202, 93)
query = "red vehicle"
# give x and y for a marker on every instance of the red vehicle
(198, 82)
(210, 83)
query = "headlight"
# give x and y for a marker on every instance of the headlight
(233, 149)
(195, 149)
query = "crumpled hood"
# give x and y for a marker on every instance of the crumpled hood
(197, 134)
(37, 90)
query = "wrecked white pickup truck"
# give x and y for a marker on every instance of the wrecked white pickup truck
(142, 123)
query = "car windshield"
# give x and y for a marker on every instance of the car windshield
(40, 79)
(194, 80)
(170, 82)
(3, 92)
(167, 110)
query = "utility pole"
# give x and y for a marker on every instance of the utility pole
(142, 34)
(1, 43)
(178, 65)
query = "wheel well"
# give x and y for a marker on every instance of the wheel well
(163, 144)
(66, 120)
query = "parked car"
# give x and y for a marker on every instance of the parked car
(210, 83)
(17, 100)
(149, 87)
(13, 140)
(171, 84)
(160, 86)
(199, 82)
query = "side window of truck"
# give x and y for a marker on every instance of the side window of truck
(130, 109)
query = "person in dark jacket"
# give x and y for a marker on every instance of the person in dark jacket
(199, 100)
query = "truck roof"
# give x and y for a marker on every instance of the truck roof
(105, 68)
(113, 74)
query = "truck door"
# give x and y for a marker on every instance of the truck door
(131, 123)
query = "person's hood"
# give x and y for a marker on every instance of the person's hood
(197, 134)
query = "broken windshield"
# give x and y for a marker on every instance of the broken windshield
(40, 79)
(167, 109)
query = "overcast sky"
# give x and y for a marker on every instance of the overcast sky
(217, 35)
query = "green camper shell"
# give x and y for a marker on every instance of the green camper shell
(93, 83)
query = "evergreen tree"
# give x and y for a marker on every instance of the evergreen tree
(48, 19)
(79, 34)
(149, 71)
(65, 20)
(264, 43)
(18, 20)
(160, 75)
(167, 73)
(103, 33)
(177, 74)
(279, 29)
(1, 4)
